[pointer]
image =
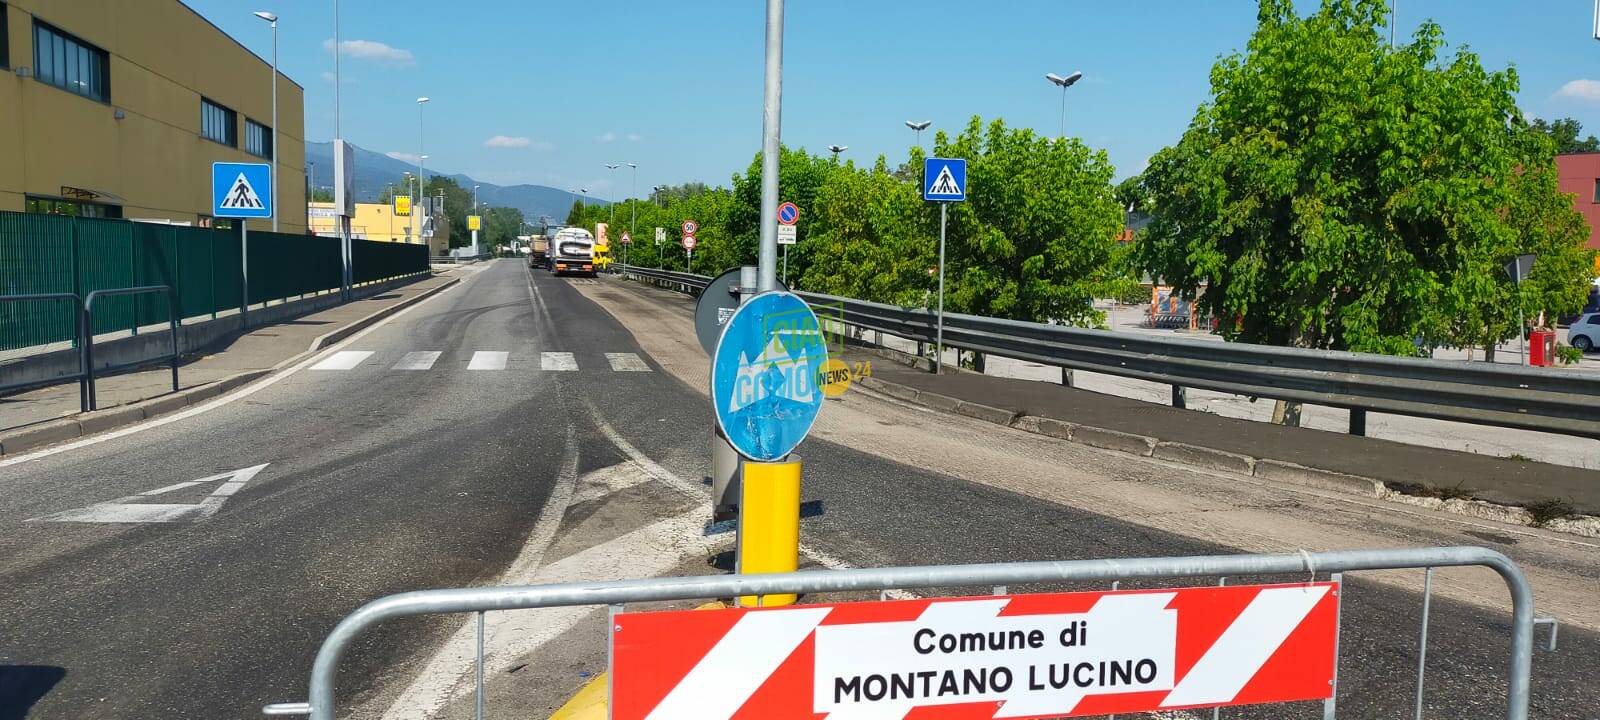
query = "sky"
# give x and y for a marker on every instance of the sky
(542, 92)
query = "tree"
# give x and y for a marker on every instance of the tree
(870, 238)
(1337, 192)
(1034, 241)
(1565, 132)
(457, 201)
(321, 195)
(576, 215)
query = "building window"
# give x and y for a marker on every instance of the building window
(72, 208)
(257, 139)
(5, 38)
(1597, 190)
(218, 123)
(70, 64)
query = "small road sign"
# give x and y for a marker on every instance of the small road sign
(788, 214)
(627, 239)
(786, 234)
(688, 243)
(690, 227)
(402, 204)
(474, 222)
(763, 375)
(944, 179)
(241, 190)
(661, 235)
(1042, 655)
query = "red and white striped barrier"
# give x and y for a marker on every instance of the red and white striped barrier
(1023, 656)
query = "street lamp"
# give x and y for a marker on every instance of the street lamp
(273, 191)
(475, 199)
(613, 168)
(422, 180)
(631, 204)
(836, 149)
(919, 127)
(1064, 82)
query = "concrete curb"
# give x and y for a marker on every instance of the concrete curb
(81, 424)
(1222, 460)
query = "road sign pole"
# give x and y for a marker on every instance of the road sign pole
(770, 139)
(244, 273)
(938, 338)
(786, 266)
(1522, 337)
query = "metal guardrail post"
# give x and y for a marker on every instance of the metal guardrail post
(1180, 397)
(88, 336)
(1358, 422)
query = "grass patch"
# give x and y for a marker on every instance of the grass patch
(1546, 511)
(1518, 457)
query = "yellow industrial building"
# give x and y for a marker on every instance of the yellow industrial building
(378, 221)
(118, 108)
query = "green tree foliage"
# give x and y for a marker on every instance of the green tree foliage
(1035, 239)
(1565, 132)
(501, 225)
(870, 238)
(1340, 193)
(457, 205)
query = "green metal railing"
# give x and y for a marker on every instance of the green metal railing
(59, 254)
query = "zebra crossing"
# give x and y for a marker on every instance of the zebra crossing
(482, 360)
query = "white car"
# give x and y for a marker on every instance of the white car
(1584, 333)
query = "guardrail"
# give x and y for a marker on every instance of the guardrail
(1477, 393)
(479, 600)
(87, 325)
(78, 335)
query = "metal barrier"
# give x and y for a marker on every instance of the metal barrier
(1470, 392)
(78, 335)
(480, 600)
(88, 336)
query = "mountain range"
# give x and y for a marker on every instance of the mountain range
(375, 171)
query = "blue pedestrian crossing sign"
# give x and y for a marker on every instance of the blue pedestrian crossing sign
(944, 179)
(764, 375)
(241, 190)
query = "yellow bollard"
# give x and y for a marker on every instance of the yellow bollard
(769, 524)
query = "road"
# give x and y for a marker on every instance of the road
(472, 466)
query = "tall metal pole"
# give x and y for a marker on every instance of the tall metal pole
(275, 124)
(938, 338)
(633, 204)
(770, 139)
(345, 250)
(1522, 336)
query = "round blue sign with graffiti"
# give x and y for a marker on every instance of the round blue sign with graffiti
(763, 375)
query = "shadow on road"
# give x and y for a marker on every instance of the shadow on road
(23, 685)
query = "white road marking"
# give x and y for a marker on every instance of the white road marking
(562, 361)
(488, 360)
(234, 396)
(626, 362)
(419, 360)
(129, 510)
(343, 360)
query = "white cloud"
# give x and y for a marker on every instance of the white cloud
(607, 137)
(1580, 90)
(328, 77)
(408, 157)
(634, 137)
(374, 51)
(508, 141)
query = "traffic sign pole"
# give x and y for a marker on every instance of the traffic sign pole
(770, 138)
(938, 338)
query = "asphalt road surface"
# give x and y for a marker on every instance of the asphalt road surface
(422, 453)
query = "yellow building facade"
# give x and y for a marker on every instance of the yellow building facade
(118, 108)
(377, 221)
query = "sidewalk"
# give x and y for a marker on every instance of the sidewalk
(1232, 444)
(257, 351)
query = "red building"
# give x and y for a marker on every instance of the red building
(1580, 175)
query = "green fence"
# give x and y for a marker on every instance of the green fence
(53, 253)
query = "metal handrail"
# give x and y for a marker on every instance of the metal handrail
(77, 335)
(88, 335)
(325, 669)
(1478, 393)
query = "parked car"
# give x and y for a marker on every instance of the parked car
(1584, 333)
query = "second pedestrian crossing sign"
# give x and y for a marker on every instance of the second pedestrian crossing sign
(944, 179)
(241, 190)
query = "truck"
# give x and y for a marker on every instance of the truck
(537, 248)
(572, 251)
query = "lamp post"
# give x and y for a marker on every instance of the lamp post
(836, 149)
(919, 127)
(1064, 82)
(273, 19)
(634, 220)
(422, 179)
(613, 168)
